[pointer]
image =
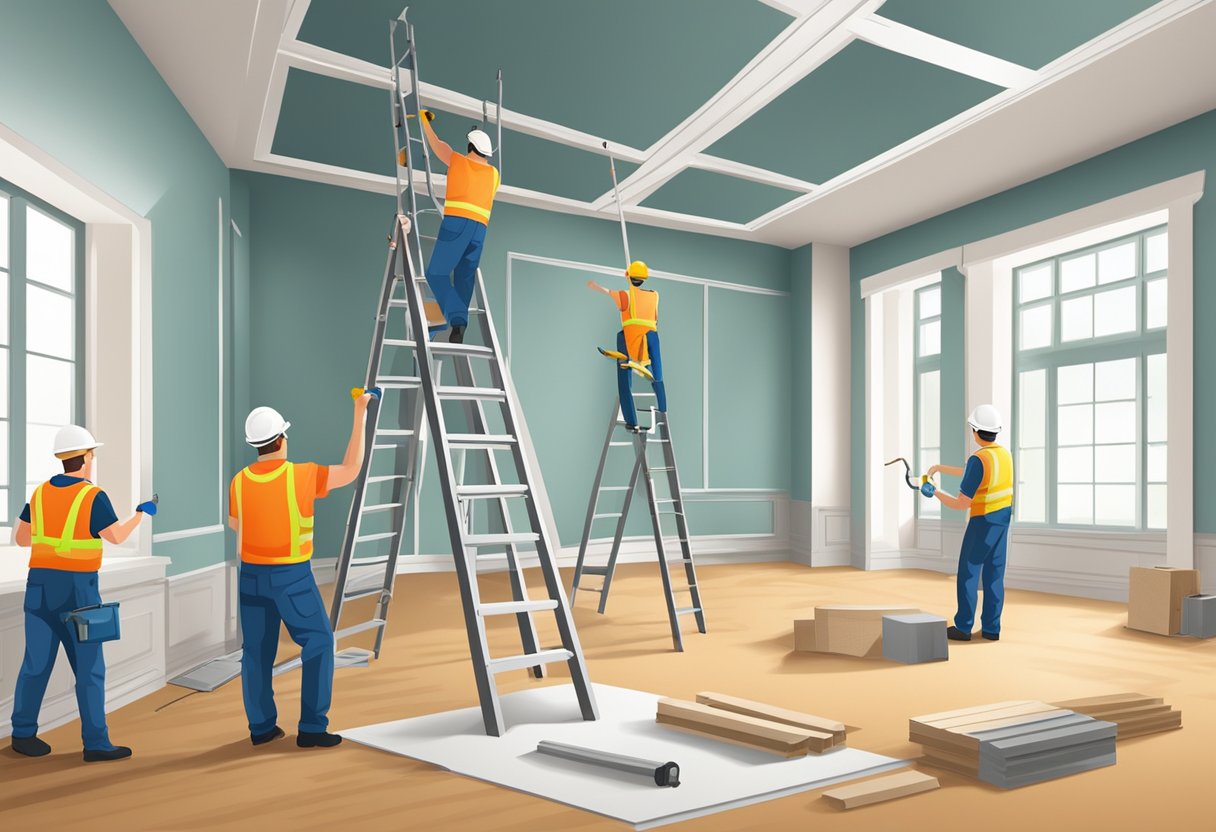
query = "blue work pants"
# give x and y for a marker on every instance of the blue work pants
(983, 558)
(452, 271)
(624, 377)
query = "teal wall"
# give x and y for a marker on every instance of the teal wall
(800, 348)
(77, 85)
(1176, 151)
(317, 259)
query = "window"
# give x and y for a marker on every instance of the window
(928, 388)
(1089, 432)
(41, 321)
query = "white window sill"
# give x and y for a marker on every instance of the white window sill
(119, 569)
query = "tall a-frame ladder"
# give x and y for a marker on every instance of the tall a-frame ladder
(481, 392)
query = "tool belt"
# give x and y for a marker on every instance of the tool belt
(94, 624)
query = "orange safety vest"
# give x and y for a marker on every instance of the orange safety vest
(996, 488)
(470, 189)
(270, 527)
(60, 536)
(640, 315)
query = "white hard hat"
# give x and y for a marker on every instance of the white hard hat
(263, 425)
(986, 418)
(481, 142)
(74, 438)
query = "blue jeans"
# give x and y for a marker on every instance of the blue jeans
(452, 272)
(983, 556)
(49, 595)
(271, 594)
(624, 377)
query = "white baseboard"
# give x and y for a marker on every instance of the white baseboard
(201, 619)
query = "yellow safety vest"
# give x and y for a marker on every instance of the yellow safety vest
(75, 549)
(996, 489)
(300, 528)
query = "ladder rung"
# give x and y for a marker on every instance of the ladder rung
(399, 301)
(398, 381)
(513, 607)
(620, 444)
(361, 593)
(359, 628)
(459, 349)
(368, 538)
(614, 488)
(485, 393)
(393, 432)
(644, 395)
(381, 507)
(528, 660)
(390, 447)
(595, 570)
(500, 539)
(605, 516)
(598, 589)
(398, 342)
(663, 468)
(509, 490)
(355, 563)
(687, 610)
(388, 477)
(480, 440)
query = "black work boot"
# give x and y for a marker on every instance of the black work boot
(118, 752)
(319, 739)
(457, 336)
(31, 746)
(261, 739)
(955, 634)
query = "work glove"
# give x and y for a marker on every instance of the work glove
(928, 489)
(148, 508)
(428, 115)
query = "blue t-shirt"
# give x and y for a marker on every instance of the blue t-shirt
(103, 515)
(973, 475)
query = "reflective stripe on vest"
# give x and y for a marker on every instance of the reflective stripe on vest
(629, 316)
(300, 528)
(468, 206)
(68, 552)
(996, 489)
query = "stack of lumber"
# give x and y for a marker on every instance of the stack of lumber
(752, 724)
(1011, 744)
(1134, 713)
(881, 789)
(849, 629)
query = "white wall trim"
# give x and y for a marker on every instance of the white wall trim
(914, 270)
(201, 616)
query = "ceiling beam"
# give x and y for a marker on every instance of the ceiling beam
(739, 170)
(896, 37)
(795, 8)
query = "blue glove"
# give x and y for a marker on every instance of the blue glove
(376, 392)
(928, 489)
(148, 508)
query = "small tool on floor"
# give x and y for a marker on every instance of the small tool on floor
(663, 774)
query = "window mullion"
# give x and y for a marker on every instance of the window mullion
(17, 368)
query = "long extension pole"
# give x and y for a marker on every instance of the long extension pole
(620, 208)
(498, 120)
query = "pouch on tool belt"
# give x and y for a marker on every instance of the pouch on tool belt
(94, 624)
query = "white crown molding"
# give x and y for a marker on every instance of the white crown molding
(751, 173)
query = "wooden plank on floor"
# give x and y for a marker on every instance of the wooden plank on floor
(758, 733)
(747, 707)
(884, 788)
(1110, 700)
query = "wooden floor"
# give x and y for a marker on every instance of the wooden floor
(194, 769)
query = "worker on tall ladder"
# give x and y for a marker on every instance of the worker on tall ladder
(70, 519)
(271, 507)
(637, 344)
(471, 185)
(987, 490)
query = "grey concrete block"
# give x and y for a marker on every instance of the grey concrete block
(1199, 616)
(913, 638)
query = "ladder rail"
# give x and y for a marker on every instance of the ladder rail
(677, 493)
(592, 504)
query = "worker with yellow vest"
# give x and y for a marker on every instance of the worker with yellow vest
(637, 344)
(987, 491)
(64, 524)
(468, 198)
(271, 507)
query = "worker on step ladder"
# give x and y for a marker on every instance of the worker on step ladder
(469, 197)
(637, 344)
(271, 508)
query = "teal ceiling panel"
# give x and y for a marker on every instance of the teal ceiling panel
(1031, 33)
(705, 194)
(858, 104)
(340, 123)
(627, 71)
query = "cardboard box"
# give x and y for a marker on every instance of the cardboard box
(804, 635)
(853, 630)
(1199, 616)
(1154, 598)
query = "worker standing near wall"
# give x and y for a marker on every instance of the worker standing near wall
(271, 507)
(472, 183)
(987, 490)
(65, 528)
(637, 344)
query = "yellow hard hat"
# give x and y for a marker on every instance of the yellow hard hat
(637, 269)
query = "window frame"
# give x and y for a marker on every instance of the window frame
(1138, 344)
(920, 366)
(20, 202)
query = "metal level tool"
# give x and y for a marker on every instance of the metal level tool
(662, 774)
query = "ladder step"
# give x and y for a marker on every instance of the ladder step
(595, 570)
(355, 563)
(375, 623)
(398, 342)
(604, 516)
(614, 488)
(388, 477)
(368, 538)
(663, 468)
(381, 507)
(528, 660)
(474, 540)
(598, 589)
(398, 382)
(448, 348)
(687, 610)
(482, 393)
(480, 440)
(513, 607)
(509, 490)
(360, 593)
(620, 444)
(393, 432)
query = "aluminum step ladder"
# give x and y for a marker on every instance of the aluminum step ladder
(482, 393)
(662, 505)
